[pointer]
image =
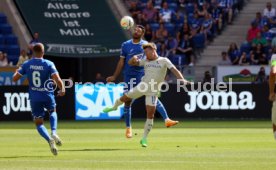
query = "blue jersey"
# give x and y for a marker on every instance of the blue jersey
(38, 72)
(128, 50)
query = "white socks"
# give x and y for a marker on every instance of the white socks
(117, 103)
(148, 127)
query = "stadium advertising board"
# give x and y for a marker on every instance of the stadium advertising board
(239, 74)
(6, 74)
(73, 28)
(92, 99)
(244, 101)
(15, 104)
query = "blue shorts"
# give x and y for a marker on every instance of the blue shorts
(131, 81)
(39, 106)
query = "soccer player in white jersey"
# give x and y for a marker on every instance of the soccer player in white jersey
(155, 72)
(272, 79)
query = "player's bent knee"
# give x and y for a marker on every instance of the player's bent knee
(38, 121)
(126, 99)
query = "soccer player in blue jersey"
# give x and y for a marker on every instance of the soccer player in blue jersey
(39, 71)
(133, 75)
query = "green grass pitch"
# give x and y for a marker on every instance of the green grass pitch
(191, 145)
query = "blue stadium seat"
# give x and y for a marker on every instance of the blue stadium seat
(179, 60)
(2, 48)
(13, 50)
(245, 47)
(5, 29)
(2, 40)
(199, 41)
(11, 39)
(190, 8)
(3, 18)
(154, 26)
(173, 6)
(171, 1)
(170, 28)
(143, 1)
(13, 59)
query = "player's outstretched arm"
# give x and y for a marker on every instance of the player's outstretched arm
(134, 61)
(118, 70)
(59, 83)
(16, 76)
(179, 76)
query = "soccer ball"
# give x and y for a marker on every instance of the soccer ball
(127, 22)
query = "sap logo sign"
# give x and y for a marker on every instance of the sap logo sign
(92, 99)
(218, 100)
(16, 102)
(6, 79)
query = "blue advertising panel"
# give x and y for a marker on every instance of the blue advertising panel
(91, 99)
(6, 74)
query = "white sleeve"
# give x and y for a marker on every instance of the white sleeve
(142, 62)
(168, 63)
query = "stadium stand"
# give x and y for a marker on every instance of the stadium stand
(8, 41)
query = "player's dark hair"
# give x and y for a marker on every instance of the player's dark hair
(38, 48)
(142, 27)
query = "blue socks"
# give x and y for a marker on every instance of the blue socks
(127, 113)
(53, 122)
(161, 109)
(43, 132)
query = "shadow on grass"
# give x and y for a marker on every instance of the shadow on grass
(88, 150)
(14, 157)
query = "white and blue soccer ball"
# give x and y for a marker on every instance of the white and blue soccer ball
(127, 22)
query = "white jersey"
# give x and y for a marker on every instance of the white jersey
(155, 70)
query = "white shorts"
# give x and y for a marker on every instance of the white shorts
(141, 90)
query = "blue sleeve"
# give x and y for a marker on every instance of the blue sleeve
(22, 69)
(123, 51)
(53, 68)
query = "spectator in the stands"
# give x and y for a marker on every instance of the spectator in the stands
(22, 58)
(207, 27)
(134, 10)
(217, 17)
(165, 13)
(224, 59)
(207, 77)
(185, 29)
(171, 44)
(162, 50)
(34, 41)
(150, 13)
(149, 34)
(261, 76)
(234, 53)
(244, 60)
(258, 56)
(99, 78)
(195, 24)
(178, 19)
(140, 20)
(3, 60)
(269, 12)
(259, 40)
(252, 32)
(273, 43)
(182, 6)
(161, 34)
(226, 7)
(260, 21)
(185, 47)
(267, 34)
(204, 11)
